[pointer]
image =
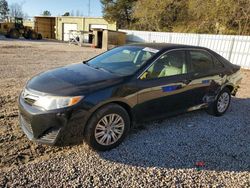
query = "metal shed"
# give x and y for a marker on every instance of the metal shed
(46, 26)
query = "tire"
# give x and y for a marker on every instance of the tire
(218, 110)
(39, 36)
(33, 35)
(26, 35)
(96, 127)
(14, 34)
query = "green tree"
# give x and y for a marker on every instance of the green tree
(161, 15)
(198, 16)
(220, 16)
(234, 16)
(119, 11)
(202, 16)
(46, 13)
(4, 9)
(67, 14)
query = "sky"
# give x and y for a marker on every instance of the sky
(59, 7)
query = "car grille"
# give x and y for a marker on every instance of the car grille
(26, 125)
(50, 136)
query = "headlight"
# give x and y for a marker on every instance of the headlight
(54, 102)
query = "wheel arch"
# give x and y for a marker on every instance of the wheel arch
(126, 107)
(230, 87)
(123, 104)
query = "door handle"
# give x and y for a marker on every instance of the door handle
(196, 74)
(186, 81)
(221, 75)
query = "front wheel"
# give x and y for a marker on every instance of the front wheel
(14, 34)
(220, 106)
(107, 128)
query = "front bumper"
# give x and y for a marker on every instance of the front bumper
(49, 137)
(56, 127)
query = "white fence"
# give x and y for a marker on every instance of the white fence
(233, 47)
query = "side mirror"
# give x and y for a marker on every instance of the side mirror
(85, 62)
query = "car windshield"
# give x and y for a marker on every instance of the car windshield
(124, 60)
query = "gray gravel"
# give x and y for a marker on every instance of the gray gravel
(157, 154)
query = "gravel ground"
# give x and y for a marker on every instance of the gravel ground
(158, 154)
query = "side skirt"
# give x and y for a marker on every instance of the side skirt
(163, 117)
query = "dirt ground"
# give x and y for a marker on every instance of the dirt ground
(19, 61)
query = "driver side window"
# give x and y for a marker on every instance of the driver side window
(169, 64)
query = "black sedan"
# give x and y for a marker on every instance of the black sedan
(99, 100)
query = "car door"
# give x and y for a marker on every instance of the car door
(207, 76)
(164, 86)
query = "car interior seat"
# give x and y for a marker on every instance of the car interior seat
(175, 66)
(157, 68)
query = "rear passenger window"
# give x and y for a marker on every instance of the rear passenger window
(201, 61)
(217, 63)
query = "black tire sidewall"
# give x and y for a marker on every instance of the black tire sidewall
(92, 123)
(14, 34)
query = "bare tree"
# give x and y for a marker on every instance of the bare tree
(26, 16)
(16, 10)
(77, 13)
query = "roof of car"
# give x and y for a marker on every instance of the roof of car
(164, 46)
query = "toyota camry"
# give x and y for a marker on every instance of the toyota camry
(101, 99)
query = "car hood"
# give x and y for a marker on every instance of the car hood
(76, 79)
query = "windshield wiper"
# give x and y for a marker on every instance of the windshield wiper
(106, 70)
(103, 69)
(99, 68)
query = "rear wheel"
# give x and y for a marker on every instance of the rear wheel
(33, 35)
(39, 36)
(107, 127)
(220, 106)
(26, 34)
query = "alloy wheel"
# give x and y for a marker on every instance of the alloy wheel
(223, 102)
(109, 129)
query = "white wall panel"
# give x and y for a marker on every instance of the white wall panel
(233, 47)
